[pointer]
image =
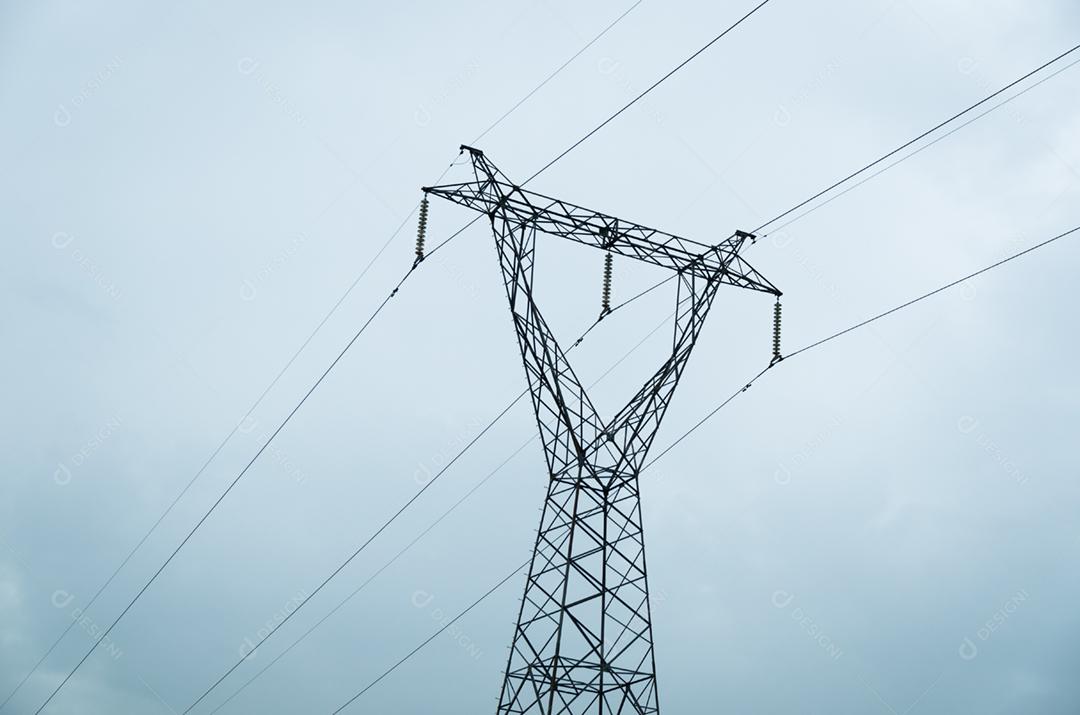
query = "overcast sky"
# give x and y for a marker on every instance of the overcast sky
(886, 524)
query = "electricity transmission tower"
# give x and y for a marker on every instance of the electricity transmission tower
(583, 641)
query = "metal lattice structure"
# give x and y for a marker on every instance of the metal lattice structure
(583, 641)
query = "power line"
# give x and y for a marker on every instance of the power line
(434, 635)
(431, 526)
(761, 373)
(920, 137)
(924, 296)
(296, 354)
(804, 203)
(869, 166)
(400, 511)
(225, 493)
(205, 464)
(350, 558)
(710, 414)
(859, 325)
(377, 311)
(920, 149)
(651, 87)
(561, 67)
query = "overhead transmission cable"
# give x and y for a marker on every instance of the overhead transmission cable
(213, 455)
(840, 182)
(876, 162)
(863, 324)
(920, 149)
(441, 517)
(296, 354)
(350, 343)
(702, 421)
(650, 88)
(559, 69)
(927, 133)
(564, 153)
(220, 498)
(386, 524)
(835, 185)
(432, 637)
(533, 176)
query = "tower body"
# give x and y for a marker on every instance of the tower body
(583, 641)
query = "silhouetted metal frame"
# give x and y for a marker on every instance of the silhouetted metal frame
(590, 649)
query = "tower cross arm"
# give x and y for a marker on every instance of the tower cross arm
(493, 194)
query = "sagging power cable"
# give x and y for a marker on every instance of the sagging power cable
(437, 521)
(885, 157)
(288, 364)
(360, 549)
(377, 311)
(701, 422)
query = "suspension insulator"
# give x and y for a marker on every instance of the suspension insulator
(421, 230)
(776, 333)
(605, 299)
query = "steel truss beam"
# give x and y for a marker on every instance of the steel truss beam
(583, 641)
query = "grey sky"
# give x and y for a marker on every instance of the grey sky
(190, 187)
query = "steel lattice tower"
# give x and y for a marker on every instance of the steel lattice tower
(583, 641)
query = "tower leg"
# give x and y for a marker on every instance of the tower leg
(583, 642)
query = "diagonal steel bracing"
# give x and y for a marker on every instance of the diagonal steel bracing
(583, 641)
